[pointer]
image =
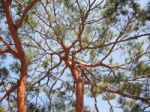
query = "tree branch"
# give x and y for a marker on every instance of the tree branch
(8, 92)
(24, 13)
(48, 72)
(116, 91)
(9, 49)
(111, 43)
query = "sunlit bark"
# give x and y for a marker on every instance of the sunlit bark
(19, 53)
(80, 96)
(22, 87)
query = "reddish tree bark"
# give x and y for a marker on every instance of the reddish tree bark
(21, 96)
(79, 89)
(22, 87)
(79, 96)
(19, 53)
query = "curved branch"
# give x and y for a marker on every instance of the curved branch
(8, 92)
(24, 13)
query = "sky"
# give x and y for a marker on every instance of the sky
(102, 105)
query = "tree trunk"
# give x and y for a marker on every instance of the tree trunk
(21, 97)
(21, 102)
(79, 96)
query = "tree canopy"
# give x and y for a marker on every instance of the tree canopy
(56, 53)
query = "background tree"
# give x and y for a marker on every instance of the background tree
(84, 47)
(11, 43)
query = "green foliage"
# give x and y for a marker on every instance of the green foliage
(29, 56)
(118, 78)
(15, 67)
(31, 20)
(32, 108)
(131, 88)
(109, 96)
(58, 30)
(69, 5)
(142, 69)
(53, 24)
(4, 72)
(45, 63)
(60, 94)
(2, 110)
(129, 106)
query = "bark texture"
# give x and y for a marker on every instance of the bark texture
(80, 96)
(21, 97)
(22, 87)
(20, 54)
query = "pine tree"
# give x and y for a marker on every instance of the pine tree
(64, 50)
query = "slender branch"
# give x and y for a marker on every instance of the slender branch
(111, 43)
(4, 41)
(25, 12)
(111, 107)
(116, 91)
(96, 107)
(4, 51)
(9, 49)
(48, 72)
(58, 78)
(93, 64)
(8, 92)
(115, 43)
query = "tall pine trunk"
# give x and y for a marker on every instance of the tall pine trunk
(21, 97)
(79, 96)
(21, 101)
